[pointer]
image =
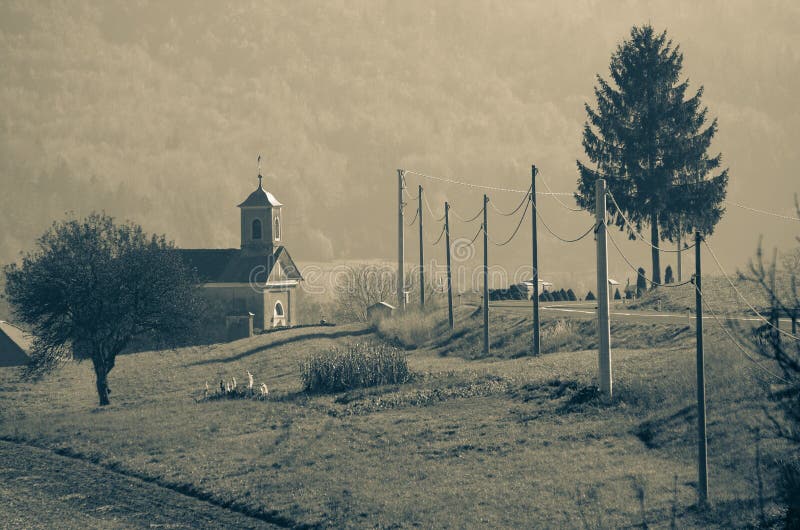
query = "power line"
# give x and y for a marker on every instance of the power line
(440, 236)
(765, 212)
(514, 233)
(430, 210)
(735, 342)
(633, 267)
(524, 201)
(759, 315)
(480, 212)
(555, 196)
(638, 234)
(416, 214)
(589, 231)
(478, 186)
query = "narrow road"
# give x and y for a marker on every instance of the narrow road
(589, 310)
(41, 489)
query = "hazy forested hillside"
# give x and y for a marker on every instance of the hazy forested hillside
(156, 110)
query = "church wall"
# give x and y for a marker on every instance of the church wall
(286, 298)
(238, 300)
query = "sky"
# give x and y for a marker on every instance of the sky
(156, 112)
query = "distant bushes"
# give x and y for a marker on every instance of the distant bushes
(361, 365)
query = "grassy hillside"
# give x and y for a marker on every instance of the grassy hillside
(494, 442)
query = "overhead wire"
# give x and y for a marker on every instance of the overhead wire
(514, 233)
(455, 213)
(479, 186)
(524, 201)
(555, 196)
(633, 267)
(741, 296)
(589, 231)
(765, 212)
(430, 210)
(638, 234)
(734, 341)
(440, 235)
(416, 214)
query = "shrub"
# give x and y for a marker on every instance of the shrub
(590, 296)
(571, 295)
(556, 296)
(617, 296)
(361, 365)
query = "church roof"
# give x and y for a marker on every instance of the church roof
(260, 197)
(15, 345)
(231, 265)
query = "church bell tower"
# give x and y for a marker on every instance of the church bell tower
(261, 221)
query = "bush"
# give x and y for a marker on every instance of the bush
(617, 296)
(590, 296)
(668, 276)
(556, 296)
(361, 365)
(571, 295)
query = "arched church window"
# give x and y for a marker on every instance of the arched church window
(256, 229)
(277, 230)
(278, 309)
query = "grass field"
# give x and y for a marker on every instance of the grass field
(472, 441)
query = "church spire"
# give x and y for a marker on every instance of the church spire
(259, 171)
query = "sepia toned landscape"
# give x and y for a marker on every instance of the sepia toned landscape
(384, 265)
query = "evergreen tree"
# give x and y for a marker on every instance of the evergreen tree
(590, 296)
(668, 277)
(571, 295)
(641, 283)
(650, 144)
(617, 296)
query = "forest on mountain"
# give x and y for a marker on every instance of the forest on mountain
(156, 111)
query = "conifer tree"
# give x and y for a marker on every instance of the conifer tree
(650, 143)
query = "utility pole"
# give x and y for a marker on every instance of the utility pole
(401, 281)
(679, 252)
(485, 280)
(702, 450)
(535, 264)
(421, 255)
(603, 329)
(449, 275)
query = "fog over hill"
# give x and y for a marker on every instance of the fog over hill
(155, 111)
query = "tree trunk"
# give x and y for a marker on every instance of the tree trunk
(654, 251)
(101, 371)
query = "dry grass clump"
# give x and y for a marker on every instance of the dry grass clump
(411, 329)
(358, 366)
(560, 335)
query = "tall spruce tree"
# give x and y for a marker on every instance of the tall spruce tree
(650, 144)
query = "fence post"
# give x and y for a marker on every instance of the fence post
(702, 450)
(603, 327)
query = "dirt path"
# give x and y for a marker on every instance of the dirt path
(40, 489)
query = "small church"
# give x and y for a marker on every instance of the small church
(260, 276)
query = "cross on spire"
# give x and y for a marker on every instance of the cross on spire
(259, 170)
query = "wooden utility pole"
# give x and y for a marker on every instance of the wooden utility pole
(535, 347)
(421, 254)
(485, 280)
(702, 450)
(449, 275)
(679, 252)
(603, 329)
(401, 280)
